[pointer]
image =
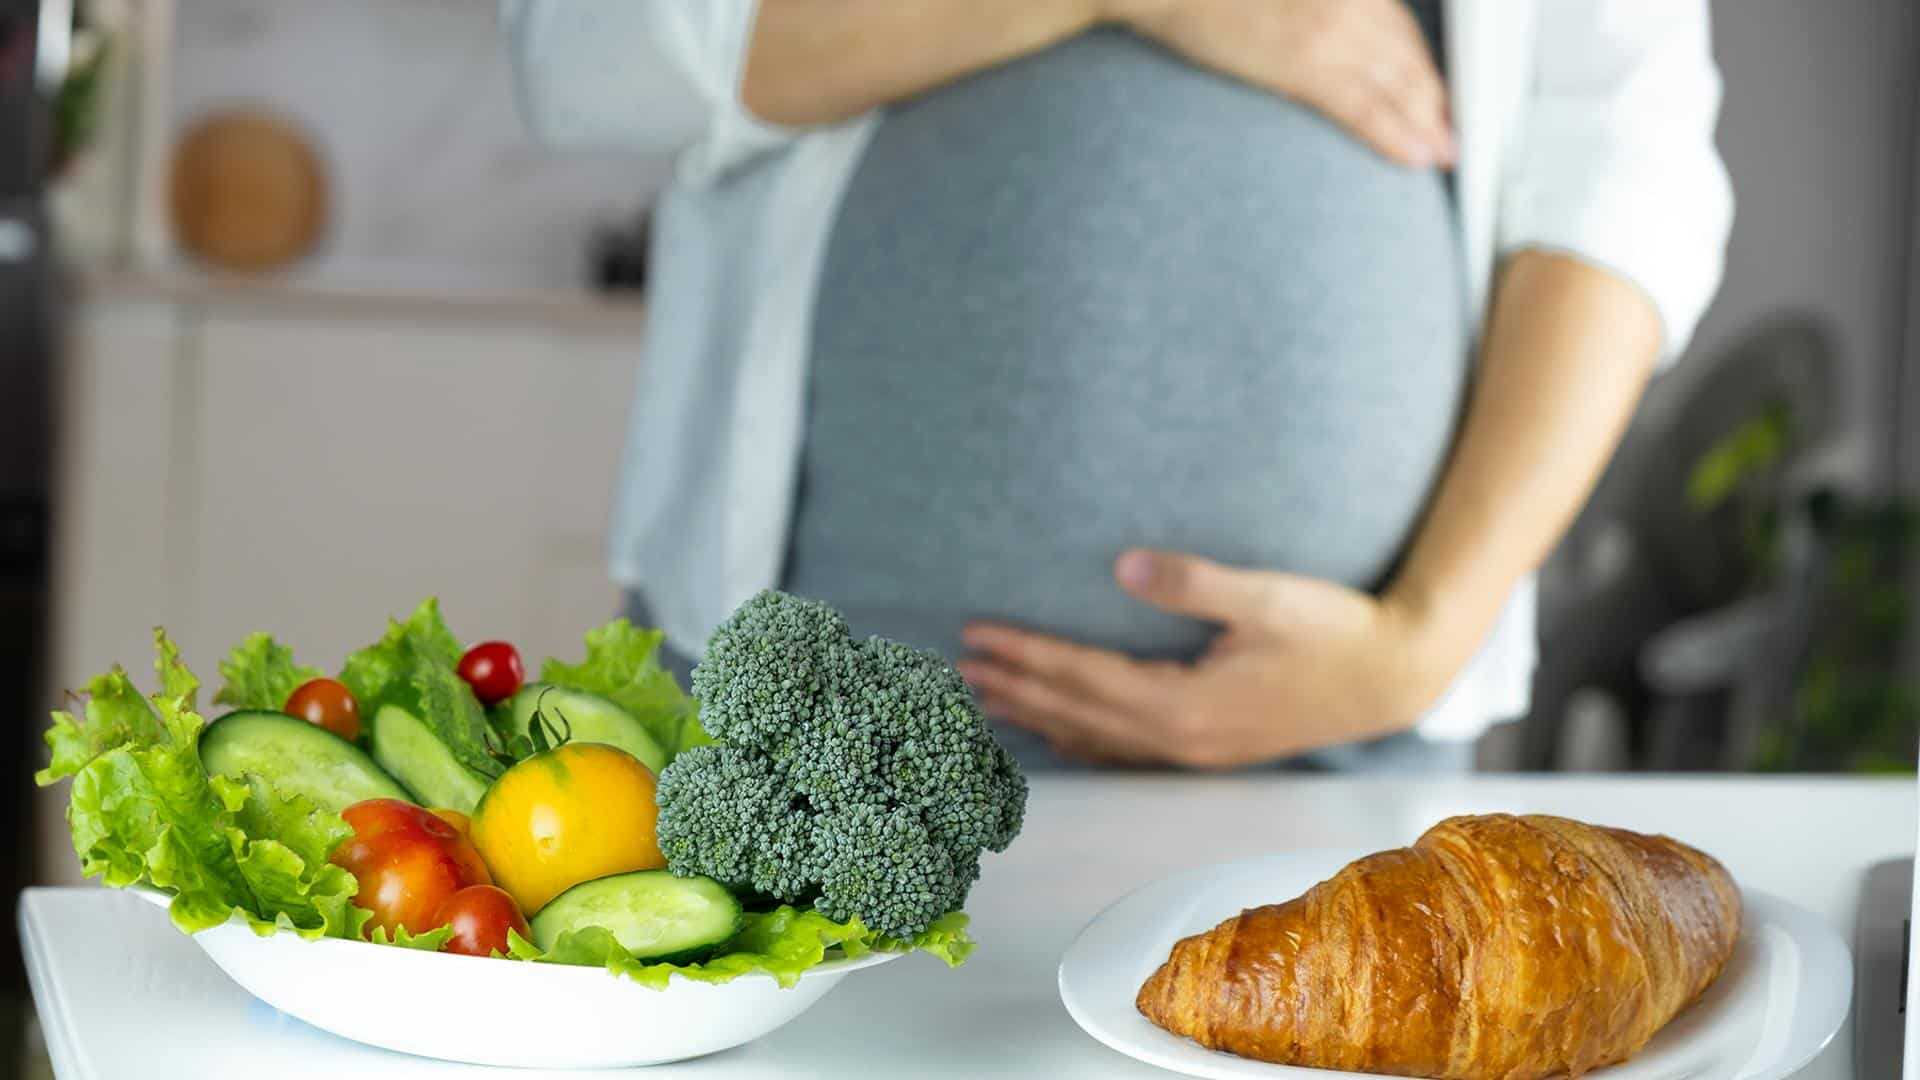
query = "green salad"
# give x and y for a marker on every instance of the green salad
(825, 798)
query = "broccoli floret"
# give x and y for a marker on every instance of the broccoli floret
(855, 776)
(757, 844)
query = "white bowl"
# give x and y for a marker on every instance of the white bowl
(500, 1012)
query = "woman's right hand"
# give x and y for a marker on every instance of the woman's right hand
(1364, 64)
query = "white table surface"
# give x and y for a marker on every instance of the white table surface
(121, 994)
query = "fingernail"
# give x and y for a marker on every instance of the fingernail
(973, 637)
(1134, 569)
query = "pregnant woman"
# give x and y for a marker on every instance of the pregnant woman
(1206, 377)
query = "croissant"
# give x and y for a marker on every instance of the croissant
(1494, 948)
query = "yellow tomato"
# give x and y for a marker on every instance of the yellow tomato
(567, 815)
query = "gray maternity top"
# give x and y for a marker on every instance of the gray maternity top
(1100, 298)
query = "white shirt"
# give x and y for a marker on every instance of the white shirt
(1584, 126)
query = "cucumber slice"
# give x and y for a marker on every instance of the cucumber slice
(590, 717)
(405, 747)
(654, 915)
(295, 757)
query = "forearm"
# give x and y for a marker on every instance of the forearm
(1566, 356)
(818, 61)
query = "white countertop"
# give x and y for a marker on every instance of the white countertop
(121, 994)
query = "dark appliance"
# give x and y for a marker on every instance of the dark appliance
(27, 292)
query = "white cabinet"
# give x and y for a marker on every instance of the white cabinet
(309, 468)
(345, 471)
(114, 489)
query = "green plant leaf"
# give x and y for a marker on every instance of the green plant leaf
(1755, 445)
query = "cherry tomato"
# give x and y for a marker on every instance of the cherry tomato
(328, 703)
(493, 669)
(407, 862)
(480, 916)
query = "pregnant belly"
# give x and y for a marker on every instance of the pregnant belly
(1099, 298)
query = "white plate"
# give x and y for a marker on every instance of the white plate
(1776, 1004)
(497, 1012)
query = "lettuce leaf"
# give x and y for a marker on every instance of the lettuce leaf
(946, 938)
(113, 714)
(260, 674)
(416, 667)
(382, 673)
(431, 941)
(143, 810)
(623, 666)
(783, 943)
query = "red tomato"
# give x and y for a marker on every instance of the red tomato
(462, 846)
(493, 669)
(447, 828)
(480, 916)
(327, 703)
(371, 817)
(403, 881)
(408, 862)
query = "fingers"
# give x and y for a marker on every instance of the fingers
(1379, 123)
(1364, 64)
(1075, 725)
(1190, 585)
(1094, 673)
(1377, 79)
(1090, 705)
(1086, 753)
(1389, 110)
(1405, 118)
(1266, 606)
(1408, 82)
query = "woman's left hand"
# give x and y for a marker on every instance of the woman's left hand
(1300, 664)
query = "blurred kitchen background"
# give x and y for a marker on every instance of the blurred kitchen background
(297, 326)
